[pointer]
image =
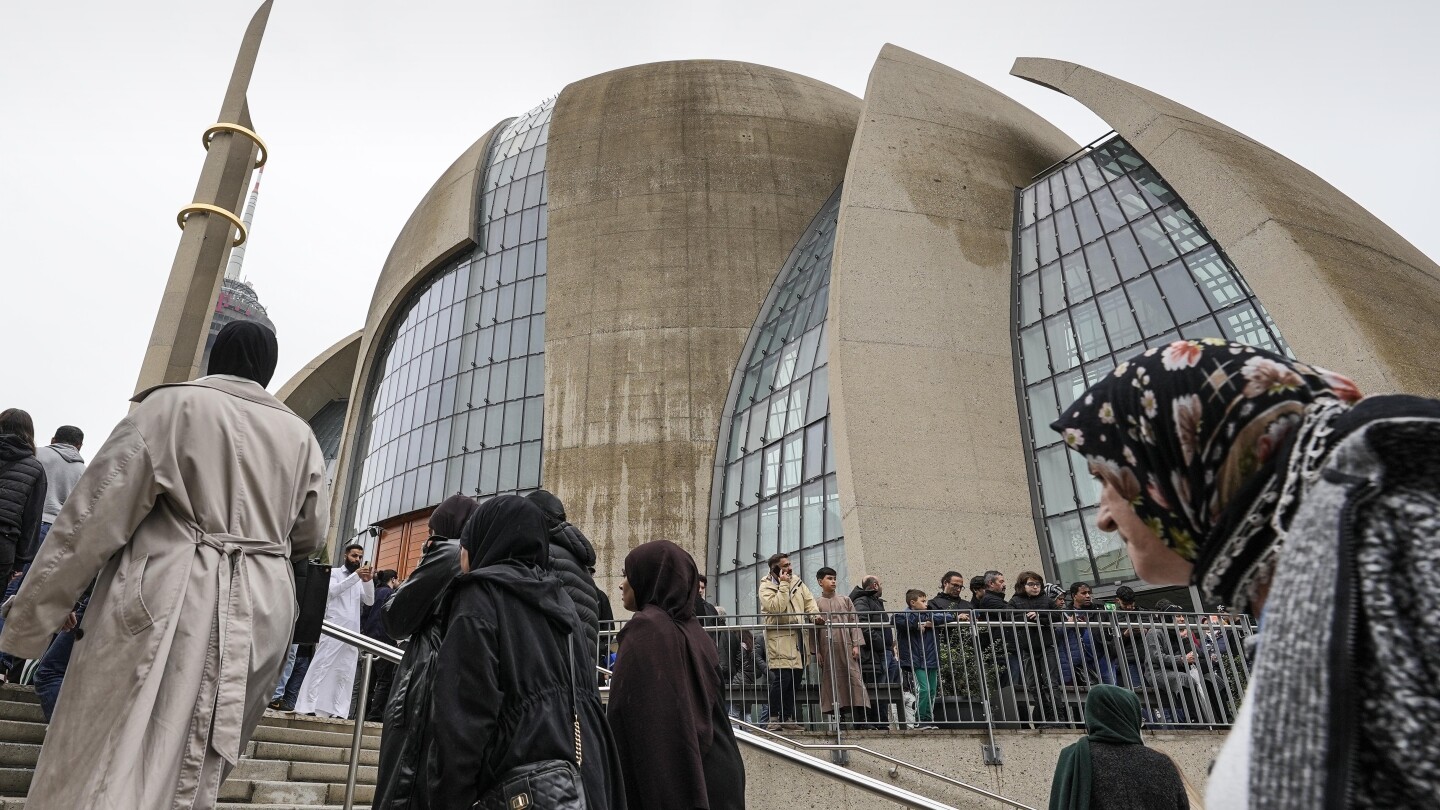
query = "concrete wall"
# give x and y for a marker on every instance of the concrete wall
(677, 189)
(1347, 292)
(929, 451)
(326, 378)
(1025, 777)
(443, 224)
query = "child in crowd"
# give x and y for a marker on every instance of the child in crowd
(919, 652)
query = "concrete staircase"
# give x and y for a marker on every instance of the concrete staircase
(291, 763)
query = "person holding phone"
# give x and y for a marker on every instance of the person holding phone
(788, 605)
(328, 685)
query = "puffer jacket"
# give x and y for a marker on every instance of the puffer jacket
(413, 612)
(22, 497)
(571, 558)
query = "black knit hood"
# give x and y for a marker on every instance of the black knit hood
(14, 447)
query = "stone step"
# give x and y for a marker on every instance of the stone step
(292, 752)
(17, 731)
(331, 772)
(19, 755)
(22, 711)
(292, 720)
(20, 694)
(304, 736)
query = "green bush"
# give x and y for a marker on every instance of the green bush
(963, 650)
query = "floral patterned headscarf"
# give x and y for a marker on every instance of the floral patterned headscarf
(1179, 431)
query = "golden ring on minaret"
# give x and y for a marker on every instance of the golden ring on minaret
(239, 130)
(206, 208)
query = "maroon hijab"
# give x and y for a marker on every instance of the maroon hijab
(666, 685)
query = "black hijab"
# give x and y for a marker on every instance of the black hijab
(507, 528)
(244, 349)
(449, 518)
(667, 683)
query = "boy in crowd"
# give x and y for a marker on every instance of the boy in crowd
(919, 652)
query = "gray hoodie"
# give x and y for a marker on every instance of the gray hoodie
(63, 466)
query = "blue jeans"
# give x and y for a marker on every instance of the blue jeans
(297, 679)
(50, 674)
(285, 673)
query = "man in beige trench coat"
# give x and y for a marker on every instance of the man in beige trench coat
(190, 515)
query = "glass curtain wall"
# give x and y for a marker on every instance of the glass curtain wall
(775, 489)
(455, 402)
(1108, 262)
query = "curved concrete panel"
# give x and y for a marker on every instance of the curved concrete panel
(677, 189)
(1347, 291)
(443, 224)
(326, 378)
(929, 453)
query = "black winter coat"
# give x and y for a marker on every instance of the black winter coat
(1041, 636)
(870, 607)
(503, 696)
(413, 612)
(571, 558)
(22, 499)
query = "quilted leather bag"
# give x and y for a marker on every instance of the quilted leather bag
(552, 784)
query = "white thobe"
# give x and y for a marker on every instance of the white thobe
(331, 676)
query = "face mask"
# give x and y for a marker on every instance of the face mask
(352, 567)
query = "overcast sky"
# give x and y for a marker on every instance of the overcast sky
(364, 103)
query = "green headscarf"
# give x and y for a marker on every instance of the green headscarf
(1112, 715)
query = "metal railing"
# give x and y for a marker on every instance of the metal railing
(370, 649)
(976, 669)
(745, 733)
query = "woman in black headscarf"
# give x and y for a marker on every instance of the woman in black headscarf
(1273, 487)
(513, 693)
(413, 613)
(674, 737)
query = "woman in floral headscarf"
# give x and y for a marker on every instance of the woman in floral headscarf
(1273, 487)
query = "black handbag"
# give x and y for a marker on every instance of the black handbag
(312, 589)
(552, 784)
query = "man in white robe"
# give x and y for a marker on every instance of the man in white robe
(329, 682)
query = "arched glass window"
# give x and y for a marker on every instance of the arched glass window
(455, 401)
(1108, 262)
(774, 487)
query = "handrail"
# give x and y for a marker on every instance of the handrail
(749, 729)
(859, 780)
(746, 733)
(354, 638)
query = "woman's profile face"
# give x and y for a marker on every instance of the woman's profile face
(627, 594)
(1154, 561)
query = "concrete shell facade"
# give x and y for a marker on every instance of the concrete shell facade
(678, 189)
(1348, 292)
(676, 192)
(928, 446)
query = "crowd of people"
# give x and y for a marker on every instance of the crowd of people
(1269, 484)
(1046, 643)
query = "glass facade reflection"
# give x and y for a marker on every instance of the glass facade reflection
(1108, 261)
(775, 489)
(455, 402)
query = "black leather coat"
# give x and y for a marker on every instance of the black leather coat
(413, 612)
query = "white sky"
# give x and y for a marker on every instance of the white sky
(364, 103)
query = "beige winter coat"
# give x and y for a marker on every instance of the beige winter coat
(189, 515)
(782, 633)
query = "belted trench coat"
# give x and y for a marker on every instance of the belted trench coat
(187, 520)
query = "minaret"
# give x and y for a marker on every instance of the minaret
(210, 227)
(237, 254)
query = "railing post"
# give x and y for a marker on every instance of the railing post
(366, 661)
(990, 749)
